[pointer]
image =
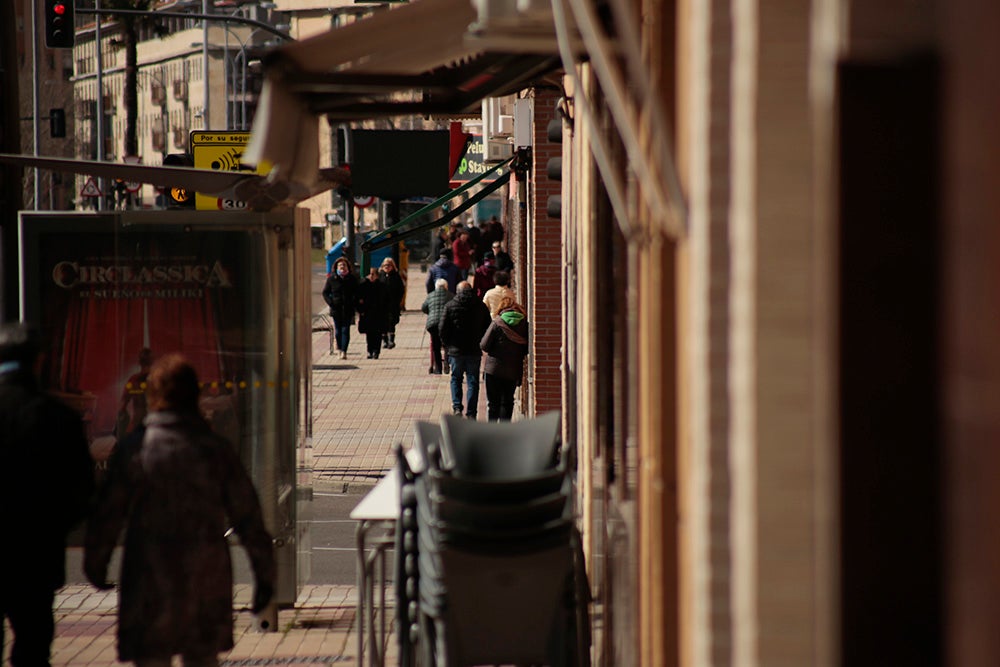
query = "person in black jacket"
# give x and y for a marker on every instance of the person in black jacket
(505, 344)
(502, 258)
(43, 442)
(394, 291)
(463, 323)
(443, 268)
(341, 293)
(372, 298)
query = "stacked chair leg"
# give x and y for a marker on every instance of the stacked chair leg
(489, 562)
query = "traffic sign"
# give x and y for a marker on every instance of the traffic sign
(221, 151)
(90, 188)
(132, 186)
(364, 202)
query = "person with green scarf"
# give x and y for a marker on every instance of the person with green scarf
(505, 344)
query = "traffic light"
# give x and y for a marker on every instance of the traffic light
(178, 197)
(553, 168)
(59, 24)
(57, 123)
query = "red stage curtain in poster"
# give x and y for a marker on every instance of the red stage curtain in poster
(170, 293)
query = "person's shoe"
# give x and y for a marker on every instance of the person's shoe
(447, 368)
(369, 355)
(376, 355)
(457, 411)
(436, 370)
(472, 417)
(343, 354)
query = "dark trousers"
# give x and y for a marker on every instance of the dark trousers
(436, 360)
(499, 398)
(374, 340)
(30, 616)
(467, 366)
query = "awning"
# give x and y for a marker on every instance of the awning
(414, 59)
(417, 59)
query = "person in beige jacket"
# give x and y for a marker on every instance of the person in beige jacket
(501, 290)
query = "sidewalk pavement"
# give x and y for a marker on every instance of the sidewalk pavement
(361, 408)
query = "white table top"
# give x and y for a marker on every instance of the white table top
(382, 502)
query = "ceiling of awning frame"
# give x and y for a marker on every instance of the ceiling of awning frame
(416, 59)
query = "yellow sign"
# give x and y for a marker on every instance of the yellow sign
(221, 151)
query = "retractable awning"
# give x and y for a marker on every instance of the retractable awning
(414, 59)
(417, 59)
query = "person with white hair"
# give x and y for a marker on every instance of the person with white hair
(463, 324)
(434, 307)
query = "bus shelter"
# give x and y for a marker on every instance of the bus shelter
(230, 291)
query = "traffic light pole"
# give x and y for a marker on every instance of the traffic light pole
(34, 98)
(100, 104)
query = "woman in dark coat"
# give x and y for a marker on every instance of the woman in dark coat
(341, 293)
(394, 291)
(505, 344)
(372, 306)
(176, 487)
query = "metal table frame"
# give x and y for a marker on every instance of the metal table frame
(376, 514)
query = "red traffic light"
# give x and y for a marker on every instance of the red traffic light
(59, 24)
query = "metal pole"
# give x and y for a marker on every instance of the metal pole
(230, 78)
(100, 105)
(34, 96)
(205, 109)
(243, 92)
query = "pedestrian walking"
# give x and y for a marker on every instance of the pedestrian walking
(176, 487)
(443, 268)
(132, 406)
(503, 259)
(463, 323)
(394, 292)
(498, 293)
(461, 253)
(483, 278)
(434, 307)
(40, 436)
(341, 293)
(439, 241)
(505, 344)
(372, 306)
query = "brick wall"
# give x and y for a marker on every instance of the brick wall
(546, 266)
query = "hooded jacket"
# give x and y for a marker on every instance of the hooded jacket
(443, 268)
(506, 344)
(176, 488)
(463, 323)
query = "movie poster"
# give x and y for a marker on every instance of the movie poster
(110, 298)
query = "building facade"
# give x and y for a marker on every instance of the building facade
(776, 311)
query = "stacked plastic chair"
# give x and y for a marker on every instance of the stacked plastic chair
(489, 561)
